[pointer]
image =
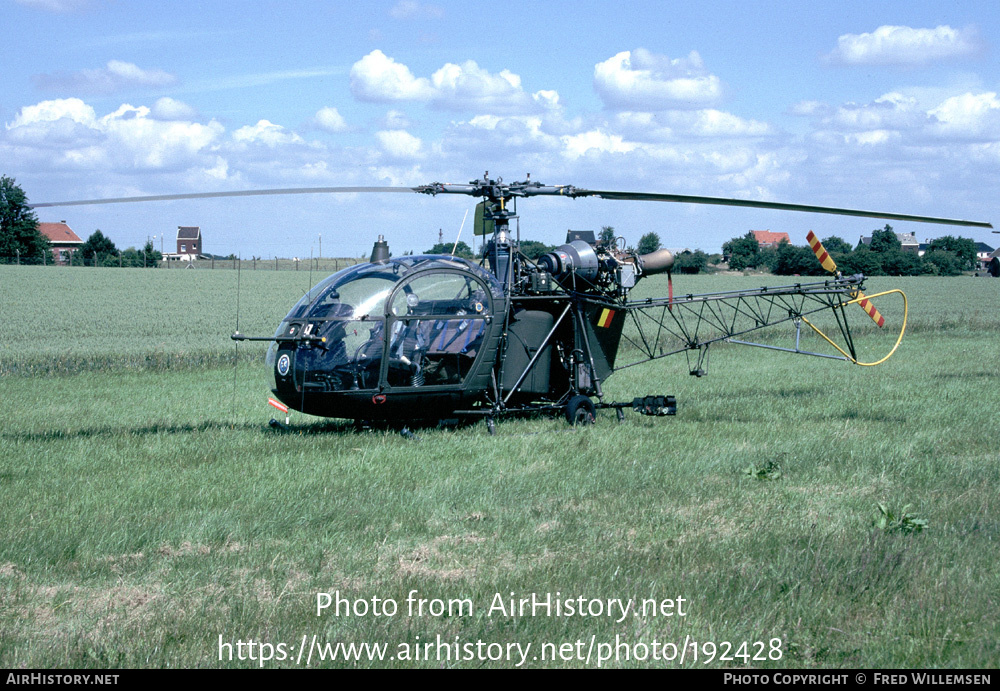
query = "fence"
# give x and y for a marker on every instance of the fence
(316, 264)
(122, 260)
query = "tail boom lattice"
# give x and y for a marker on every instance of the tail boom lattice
(663, 327)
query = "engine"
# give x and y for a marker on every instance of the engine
(584, 265)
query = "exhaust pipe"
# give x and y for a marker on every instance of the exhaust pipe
(656, 262)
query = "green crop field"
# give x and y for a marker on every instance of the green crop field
(149, 517)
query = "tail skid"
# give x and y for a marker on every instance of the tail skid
(861, 300)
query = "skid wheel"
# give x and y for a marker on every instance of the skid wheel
(580, 411)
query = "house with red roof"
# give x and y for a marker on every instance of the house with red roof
(63, 240)
(767, 239)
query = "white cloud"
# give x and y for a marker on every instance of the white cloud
(68, 132)
(267, 133)
(641, 80)
(465, 87)
(595, 141)
(492, 135)
(874, 137)
(716, 123)
(469, 87)
(72, 109)
(904, 46)
(895, 118)
(399, 143)
(50, 127)
(890, 111)
(167, 108)
(754, 174)
(968, 115)
(148, 143)
(330, 119)
(220, 171)
(115, 76)
(395, 120)
(377, 77)
(809, 108)
(708, 123)
(547, 98)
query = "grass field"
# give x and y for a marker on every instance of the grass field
(147, 513)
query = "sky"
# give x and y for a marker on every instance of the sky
(889, 106)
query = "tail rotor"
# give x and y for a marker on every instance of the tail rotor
(827, 261)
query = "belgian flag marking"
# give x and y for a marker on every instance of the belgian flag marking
(607, 316)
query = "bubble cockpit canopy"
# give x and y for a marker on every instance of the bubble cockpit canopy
(418, 311)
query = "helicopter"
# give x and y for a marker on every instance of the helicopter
(439, 338)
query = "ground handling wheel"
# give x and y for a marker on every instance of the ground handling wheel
(580, 411)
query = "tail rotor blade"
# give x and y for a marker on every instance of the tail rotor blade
(821, 254)
(869, 309)
(827, 261)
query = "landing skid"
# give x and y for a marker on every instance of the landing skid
(581, 410)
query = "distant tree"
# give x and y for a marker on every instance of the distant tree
(650, 242)
(607, 236)
(132, 258)
(940, 263)
(885, 240)
(767, 258)
(741, 252)
(688, 262)
(461, 250)
(839, 258)
(837, 244)
(153, 257)
(20, 239)
(901, 263)
(533, 249)
(860, 261)
(964, 249)
(792, 260)
(99, 246)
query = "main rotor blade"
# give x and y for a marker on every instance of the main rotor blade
(779, 206)
(534, 189)
(238, 193)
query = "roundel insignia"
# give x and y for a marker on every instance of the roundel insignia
(479, 307)
(284, 363)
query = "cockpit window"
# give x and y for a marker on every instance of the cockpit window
(441, 293)
(364, 287)
(359, 297)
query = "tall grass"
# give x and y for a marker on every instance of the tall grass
(144, 512)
